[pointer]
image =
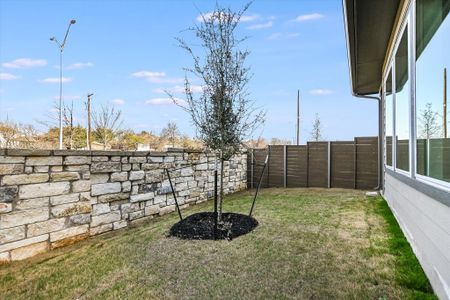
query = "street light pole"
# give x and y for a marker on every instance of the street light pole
(445, 104)
(60, 101)
(298, 117)
(88, 134)
(61, 49)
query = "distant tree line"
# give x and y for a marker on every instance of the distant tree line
(107, 133)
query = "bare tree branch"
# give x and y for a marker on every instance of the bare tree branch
(107, 121)
(316, 132)
(223, 113)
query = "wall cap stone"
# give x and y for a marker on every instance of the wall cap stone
(64, 152)
(28, 152)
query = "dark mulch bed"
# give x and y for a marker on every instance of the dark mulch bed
(200, 226)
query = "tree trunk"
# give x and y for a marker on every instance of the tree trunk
(220, 200)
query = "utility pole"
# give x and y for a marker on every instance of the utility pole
(445, 104)
(298, 117)
(88, 134)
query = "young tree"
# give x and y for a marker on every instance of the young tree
(278, 141)
(128, 140)
(79, 137)
(68, 125)
(316, 132)
(429, 123)
(107, 121)
(223, 112)
(151, 139)
(260, 142)
(52, 123)
(30, 137)
(17, 135)
(51, 137)
(190, 143)
(51, 117)
(171, 133)
(9, 132)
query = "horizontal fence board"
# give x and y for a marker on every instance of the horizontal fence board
(297, 164)
(436, 163)
(366, 162)
(318, 164)
(259, 158)
(276, 166)
(353, 164)
(249, 168)
(343, 164)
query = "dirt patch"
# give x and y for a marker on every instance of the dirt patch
(69, 241)
(200, 226)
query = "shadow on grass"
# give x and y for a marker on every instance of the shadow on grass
(310, 244)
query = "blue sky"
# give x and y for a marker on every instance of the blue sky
(125, 53)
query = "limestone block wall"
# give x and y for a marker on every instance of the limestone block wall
(51, 198)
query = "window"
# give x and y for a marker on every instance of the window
(389, 118)
(432, 63)
(402, 97)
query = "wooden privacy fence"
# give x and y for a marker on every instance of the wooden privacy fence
(344, 164)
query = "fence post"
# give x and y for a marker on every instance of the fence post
(285, 165)
(427, 151)
(355, 159)
(252, 163)
(268, 164)
(329, 164)
(307, 164)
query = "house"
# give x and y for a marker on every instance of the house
(98, 146)
(399, 53)
(143, 147)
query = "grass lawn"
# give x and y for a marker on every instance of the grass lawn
(310, 243)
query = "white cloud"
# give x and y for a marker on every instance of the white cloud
(205, 16)
(284, 35)
(8, 76)
(79, 66)
(260, 26)
(118, 101)
(147, 74)
(179, 89)
(321, 92)
(249, 18)
(156, 77)
(165, 101)
(308, 17)
(244, 18)
(25, 63)
(55, 80)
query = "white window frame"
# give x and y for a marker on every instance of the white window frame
(392, 120)
(410, 21)
(401, 32)
(441, 184)
(412, 93)
(391, 67)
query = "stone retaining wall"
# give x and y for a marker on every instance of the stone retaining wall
(51, 198)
